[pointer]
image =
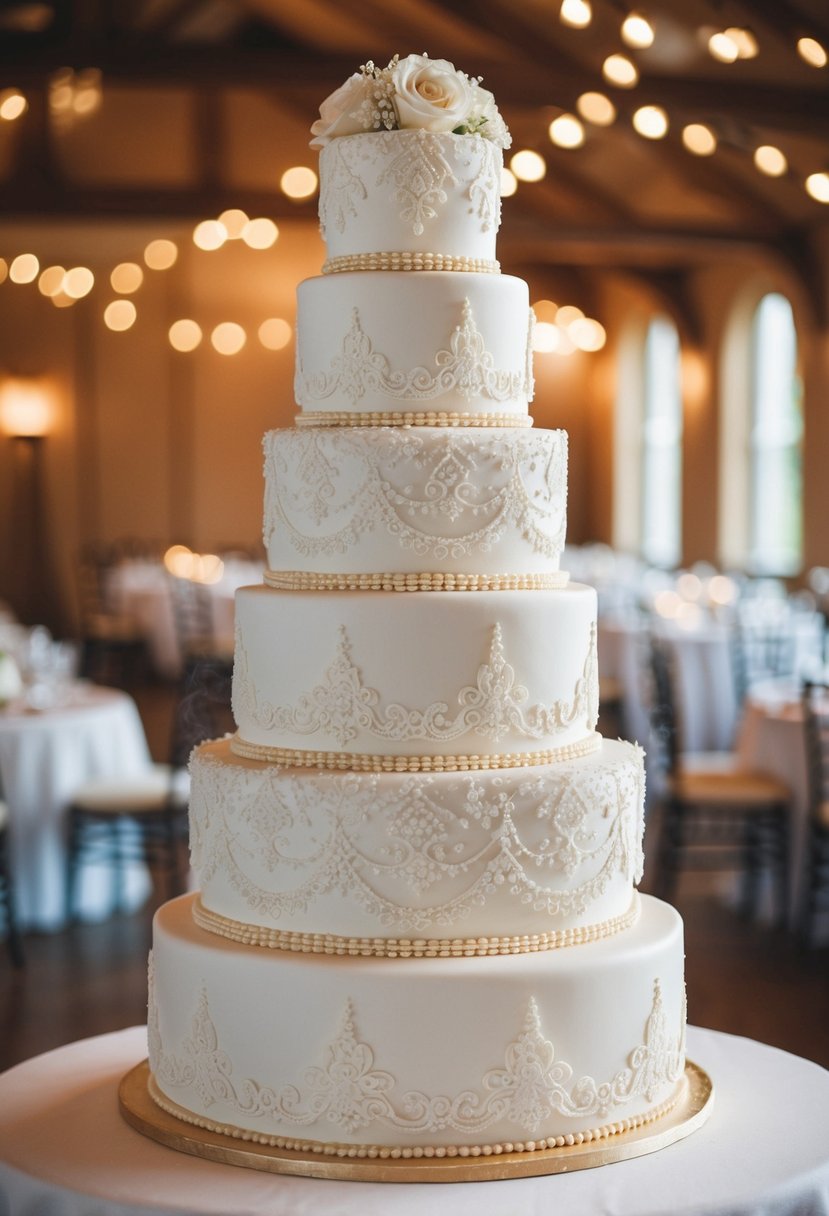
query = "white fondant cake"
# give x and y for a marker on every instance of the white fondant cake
(416, 931)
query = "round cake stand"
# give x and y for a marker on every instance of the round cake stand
(141, 1112)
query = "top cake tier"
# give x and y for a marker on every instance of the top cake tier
(432, 195)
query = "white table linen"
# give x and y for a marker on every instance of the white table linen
(772, 740)
(141, 590)
(64, 1150)
(706, 701)
(44, 758)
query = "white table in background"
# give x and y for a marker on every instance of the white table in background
(772, 740)
(44, 757)
(706, 707)
(142, 590)
(65, 1150)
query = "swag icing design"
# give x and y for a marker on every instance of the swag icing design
(417, 168)
(419, 853)
(491, 708)
(347, 1088)
(466, 367)
(444, 497)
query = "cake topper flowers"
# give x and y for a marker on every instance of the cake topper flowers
(415, 93)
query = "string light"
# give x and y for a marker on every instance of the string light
(563, 330)
(509, 183)
(233, 221)
(298, 182)
(744, 41)
(621, 71)
(651, 122)
(770, 160)
(185, 335)
(51, 280)
(126, 278)
(528, 166)
(260, 233)
(275, 334)
(160, 254)
(228, 338)
(12, 105)
(596, 108)
(809, 49)
(566, 131)
(637, 31)
(576, 13)
(24, 268)
(699, 139)
(120, 315)
(78, 282)
(817, 186)
(209, 235)
(723, 48)
(546, 337)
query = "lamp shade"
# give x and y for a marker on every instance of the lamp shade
(26, 408)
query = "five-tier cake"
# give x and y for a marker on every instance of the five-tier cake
(416, 932)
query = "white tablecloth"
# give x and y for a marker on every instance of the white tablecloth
(142, 591)
(65, 1151)
(772, 740)
(44, 758)
(706, 702)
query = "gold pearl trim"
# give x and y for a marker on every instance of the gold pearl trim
(410, 260)
(306, 580)
(360, 762)
(385, 1152)
(401, 947)
(410, 418)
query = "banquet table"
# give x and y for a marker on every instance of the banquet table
(141, 590)
(44, 757)
(706, 697)
(772, 740)
(64, 1150)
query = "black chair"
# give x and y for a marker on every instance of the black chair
(761, 649)
(13, 938)
(143, 817)
(715, 814)
(195, 635)
(815, 880)
(113, 647)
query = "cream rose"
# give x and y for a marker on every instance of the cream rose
(485, 118)
(430, 94)
(340, 113)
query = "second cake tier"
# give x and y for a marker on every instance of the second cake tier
(415, 680)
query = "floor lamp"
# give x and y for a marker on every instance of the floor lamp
(26, 414)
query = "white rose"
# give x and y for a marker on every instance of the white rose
(340, 113)
(430, 94)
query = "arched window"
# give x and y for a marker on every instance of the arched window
(775, 480)
(661, 452)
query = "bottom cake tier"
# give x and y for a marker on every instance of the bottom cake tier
(415, 1057)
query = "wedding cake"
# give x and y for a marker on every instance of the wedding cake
(416, 932)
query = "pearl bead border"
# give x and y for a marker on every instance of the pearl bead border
(410, 260)
(307, 580)
(393, 947)
(384, 1152)
(361, 762)
(411, 418)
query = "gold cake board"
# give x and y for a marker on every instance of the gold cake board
(141, 1112)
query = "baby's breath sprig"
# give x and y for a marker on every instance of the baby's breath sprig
(377, 109)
